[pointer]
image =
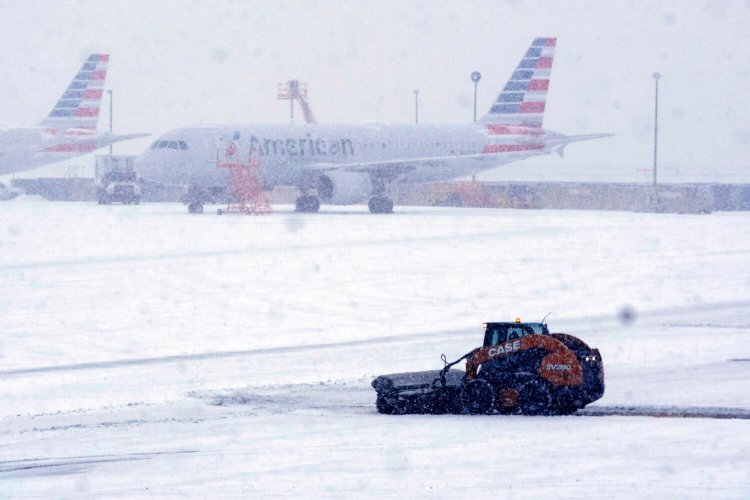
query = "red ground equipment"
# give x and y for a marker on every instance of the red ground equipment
(245, 192)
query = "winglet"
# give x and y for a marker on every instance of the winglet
(569, 139)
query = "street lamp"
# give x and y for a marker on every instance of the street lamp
(475, 77)
(416, 106)
(656, 119)
(110, 119)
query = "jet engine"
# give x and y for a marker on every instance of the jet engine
(342, 188)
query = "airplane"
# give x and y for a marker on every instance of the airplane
(70, 128)
(346, 164)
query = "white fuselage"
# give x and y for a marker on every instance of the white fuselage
(289, 154)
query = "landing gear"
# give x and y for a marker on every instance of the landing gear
(195, 197)
(307, 204)
(380, 205)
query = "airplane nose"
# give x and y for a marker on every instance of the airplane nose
(143, 162)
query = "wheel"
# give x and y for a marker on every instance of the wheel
(307, 204)
(195, 207)
(478, 397)
(380, 205)
(506, 399)
(314, 204)
(534, 398)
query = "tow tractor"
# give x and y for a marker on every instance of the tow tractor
(116, 180)
(521, 368)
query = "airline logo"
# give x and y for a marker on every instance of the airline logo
(522, 101)
(77, 111)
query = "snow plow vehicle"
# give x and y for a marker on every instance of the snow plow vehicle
(521, 368)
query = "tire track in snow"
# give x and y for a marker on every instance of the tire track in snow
(73, 465)
(95, 365)
(200, 254)
(583, 325)
(666, 412)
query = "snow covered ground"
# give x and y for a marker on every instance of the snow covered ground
(147, 352)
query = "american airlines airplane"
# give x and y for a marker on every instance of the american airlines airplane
(70, 128)
(345, 164)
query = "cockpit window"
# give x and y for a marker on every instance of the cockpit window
(169, 144)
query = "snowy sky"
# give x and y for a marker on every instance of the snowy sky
(180, 63)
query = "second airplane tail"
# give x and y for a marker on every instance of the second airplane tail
(522, 101)
(77, 111)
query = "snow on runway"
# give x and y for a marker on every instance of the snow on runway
(148, 352)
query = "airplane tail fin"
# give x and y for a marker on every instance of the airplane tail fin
(77, 111)
(522, 101)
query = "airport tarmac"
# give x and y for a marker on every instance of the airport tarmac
(146, 351)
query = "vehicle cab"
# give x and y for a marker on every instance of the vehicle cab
(500, 333)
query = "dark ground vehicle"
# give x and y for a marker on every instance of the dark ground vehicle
(521, 368)
(118, 186)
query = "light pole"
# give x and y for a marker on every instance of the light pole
(416, 106)
(656, 120)
(110, 119)
(475, 77)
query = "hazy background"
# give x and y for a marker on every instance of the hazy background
(181, 63)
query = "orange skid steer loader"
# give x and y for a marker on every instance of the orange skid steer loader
(521, 368)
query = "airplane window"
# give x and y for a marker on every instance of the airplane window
(162, 144)
(183, 145)
(173, 145)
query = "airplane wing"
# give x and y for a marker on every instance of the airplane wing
(398, 165)
(107, 139)
(402, 165)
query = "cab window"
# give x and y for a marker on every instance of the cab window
(536, 327)
(516, 332)
(497, 336)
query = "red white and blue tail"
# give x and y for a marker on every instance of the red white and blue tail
(77, 111)
(522, 101)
